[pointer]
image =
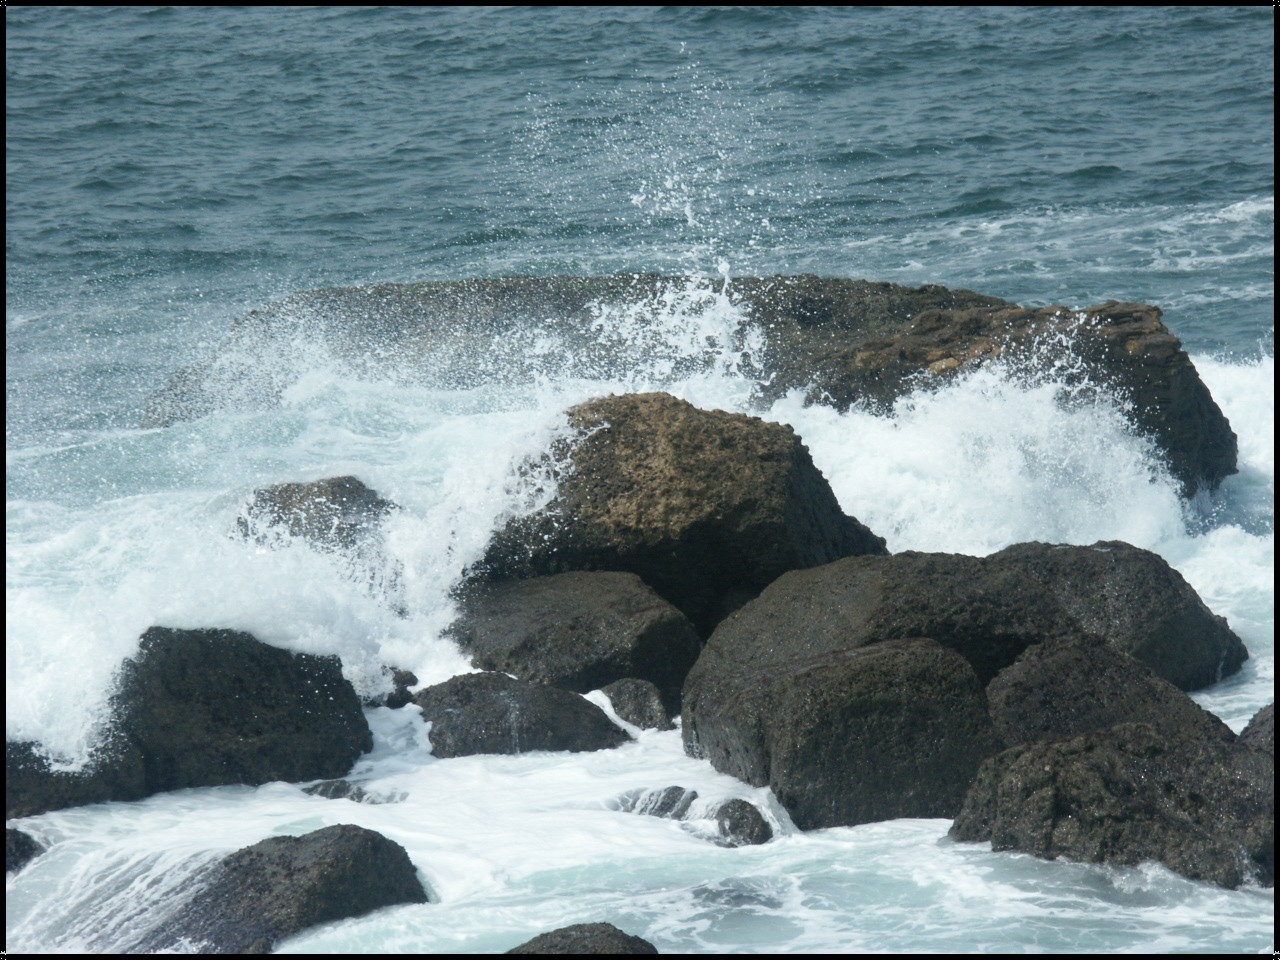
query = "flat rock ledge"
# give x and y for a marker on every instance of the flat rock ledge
(202, 708)
(1127, 794)
(275, 889)
(586, 938)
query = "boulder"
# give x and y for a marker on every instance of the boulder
(842, 341)
(493, 713)
(277, 888)
(336, 513)
(19, 849)
(843, 734)
(987, 613)
(639, 703)
(586, 938)
(201, 708)
(1261, 731)
(578, 631)
(706, 507)
(741, 824)
(1129, 793)
(1138, 602)
(1065, 687)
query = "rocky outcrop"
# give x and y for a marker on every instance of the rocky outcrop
(1202, 807)
(578, 631)
(586, 938)
(19, 849)
(843, 341)
(1138, 602)
(639, 703)
(1062, 688)
(493, 713)
(199, 708)
(843, 734)
(277, 888)
(706, 507)
(1261, 731)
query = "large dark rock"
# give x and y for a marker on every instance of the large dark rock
(843, 341)
(1138, 602)
(586, 938)
(19, 849)
(578, 631)
(335, 513)
(842, 734)
(283, 885)
(200, 708)
(987, 613)
(706, 507)
(1063, 688)
(1261, 731)
(638, 702)
(1203, 807)
(493, 713)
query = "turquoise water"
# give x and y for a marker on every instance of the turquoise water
(168, 170)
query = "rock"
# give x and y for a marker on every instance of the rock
(19, 849)
(400, 695)
(1202, 807)
(578, 631)
(987, 613)
(336, 513)
(706, 507)
(586, 938)
(842, 341)
(1139, 603)
(741, 824)
(492, 713)
(639, 703)
(842, 734)
(339, 790)
(1261, 731)
(202, 708)
(283, 885)
(670, 803)
(1062, 688)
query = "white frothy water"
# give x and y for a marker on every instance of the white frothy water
(144, 533)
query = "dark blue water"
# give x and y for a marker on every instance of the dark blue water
(169, 169)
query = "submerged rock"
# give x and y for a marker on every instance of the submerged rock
(19, 849)
(1202, 807)
(1139, 603)
(275, 889)
(1062, 688)
(639, 703)
(842, 734)
(200, 708)
(578, 631)
(706, 507)
(842, 341)
(670, 803)
(586, 938)
(340, 790)
(335, 513)
(493, 713)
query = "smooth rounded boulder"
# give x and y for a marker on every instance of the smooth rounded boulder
(578, 631)
(281, 886)
(586, 938)
(493, 713)
(1202, 807)
(334, 513)
(842, 734)
(706, 507)
(1139, 603)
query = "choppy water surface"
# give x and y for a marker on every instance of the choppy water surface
(168, 170)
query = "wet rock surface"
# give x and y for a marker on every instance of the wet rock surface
(706, 507)
(741, 824)
(277, 888)
(639, 703)
(578, 631)
(19, 849)
(586, 938)
(1261, 731)
(493, 713)
(1202, 807)
(338, 512)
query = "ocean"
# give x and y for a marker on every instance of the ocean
(170, 169)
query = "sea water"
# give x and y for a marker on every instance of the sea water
(169, 170)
